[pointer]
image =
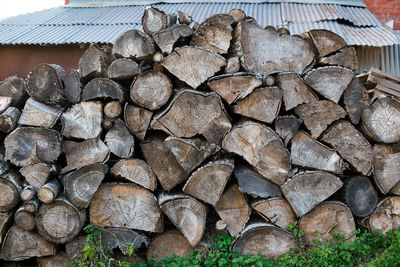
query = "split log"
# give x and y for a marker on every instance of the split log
(254, 184)
(5, 224)
(137, 171)
(265, 239)
(80, 154)
(106, 124)
(326, 42)
(31, 205)
(21, 245)
(164, 164)
(386, 216)
(5, 102)
(330, 81)
(181, 64)
(39, 114)
(59, 260)
(232, 65)
(14, 87)
(151, 90)
(36, 174)
(24, 219)
(45, 84)
(112, 110)
(233, 209)
(381, 119)
(72, 87)
(262, 104)
(9, 119)
(254, 45)
(190, 153)
(48, 192)
(103, 88)
(166, 244)
(10, 188)
(153, 20)
(187, 214)
(4, 166)
(119, 140)
(167, 38)
(351, 146)
(120, 237)
(137, 120)
(386, 166)
(275, 210)
(237, 14)
(295, 91)
(127, 206)
(208, 182)
(93, 63)
(309, 153)
(133, 44)
(327, 220)
(193, 112)
(27, 193)
(59, 221)
(287, 126)
(123, 69)
(214, 34)
(82, 120)
(305, 191)
(261, 147)
(184, 18)
(354, 100)
(359, 194)
(81, 184)
(345, 57)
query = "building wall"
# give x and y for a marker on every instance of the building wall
(385, 58)
(385, 11)
(20, 59)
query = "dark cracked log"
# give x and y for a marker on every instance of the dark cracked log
(261, 147)
(72, 87)
(133, 44)
(326, 42)
(305, 191)
(103, 88)
(94, 63)
(120, 238)
(123, 69)
(166, 244)
(287, 126)
(39, 114)
(37, 174)
(137, 120)
(386, 166)
(24, 219)
(167, 38)
(137, 171)
(14, 87)
(49, 191)
(345, 57)
(10, 188)
(386, 216)
(275, 210)
(119, 140)
(354, 100)
(9, 119)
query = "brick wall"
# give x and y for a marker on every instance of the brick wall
(385, 11)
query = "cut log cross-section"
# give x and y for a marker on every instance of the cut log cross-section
(287, 126)
(36, 174)
(133, 44)
(275, 210)
(154, 20)
(168, 243)
(103, 88)
(326, 42)
(137, 171)
(49, 191)
(354, 101)
(10, 188)
(38, 114)
(123, 69)
(386, 216)
(94, 63)
(119, 140)
(24, 219)
(345, 57)
(166, 39)
(14, 87)
(386, 166)
(137, 120)
(9, 119)
(72, 87)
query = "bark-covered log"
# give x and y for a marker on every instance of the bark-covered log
(193, 112)
(14, 87)
(305, 191)
(326, 42)
(232, 65)
(81, 184)
(208, 182)
(193, 65)
(187, 214)
(119, 140)
(94, 63)
(103, 88)
(9, 119)
(386, 216)
(48, 192)
(37, 174)
(137, 171)
(386, 166)
(327, 220)
(287, 126)
(72, 87)
(233, 209)
(151, 89)
(137, 120)
(5, 102)
(133, 44)
(125, 205)
(6, 220)
(123, 69)
(345, 57)
(27, 193)
(120, 237)
(354, 100)
(261, 147)
(59, 260)
(167, 38)
(10, 188)
(24, 219)
(166, 244)
(275, 210)
(32, 205)
(39, 114)
(154, 20)
(255, 47)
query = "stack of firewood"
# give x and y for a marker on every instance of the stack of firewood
(378, 83)
(190, 130)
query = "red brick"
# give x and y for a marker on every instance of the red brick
(381, 3)
(374, 8)
(395, 14)
(369, 2)
(397, 26)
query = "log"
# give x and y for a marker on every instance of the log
(208, 182)
(119, 140)
(261, 147)
(269, 80)
(125, 205)
(82, 120)
(133, 44)
(345, 57)
(214, 34)
(48, 192)
(380, 120)
(354, 100)
(295, 91)
(120, 237)
(37, 174)
(187, 214)
(237, 14)
(24, 219)
(5, 102)
(20, 245)
(287, 126)
(326, 42)
(265, 239)
(255, 47)
(386, 171)
(262, 104)
(181, 63)
(184, 18)
(306, 190)
(232, 65)
(327, 220)
(59, 221)
(151, 89)
(193, 112)
(31, 205)
(275, 210)
(74, 247)
(59, 260)
(106, 124)
(4, 166)
(137, 171)
(10, 188)
(80, 154)
(39, 114)
(359, 194)
(5, 224)
(190, 153)
(45, 84)
(233, 209)
(254, 184)
(27, 193)
(103, 88)
(137, 120)
(158, 57)
(221, 228)
(9, 119)
(153, 20)
(309, 153)
(72, 87)
(81, 184)
(166, 244)
(330, 81)
(386, 216)
(123, 69)
(112, 110)
(14, 87)
(94, 63)
(167, 38)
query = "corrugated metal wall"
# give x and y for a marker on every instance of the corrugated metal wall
(386, 58)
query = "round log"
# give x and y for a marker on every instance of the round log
(386, 216)
(24, 219)
(10, 188)
(166, 244)
(112, 110)
(133, 44)
(275, 210)
(48, 192)
(237, 14)
(27, 193)
(32, 205)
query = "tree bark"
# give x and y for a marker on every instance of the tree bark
(123, 69)
(166, 244)
(275, 210)
(37, 174)
(24, 219)
(119, 140)
(94, 63)
(133, 44)
(39, 114)
(48, 192)
(386, 170)
(103, 88)
(9, 119)
(386, 216)
(137, 119)
(287, 126)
